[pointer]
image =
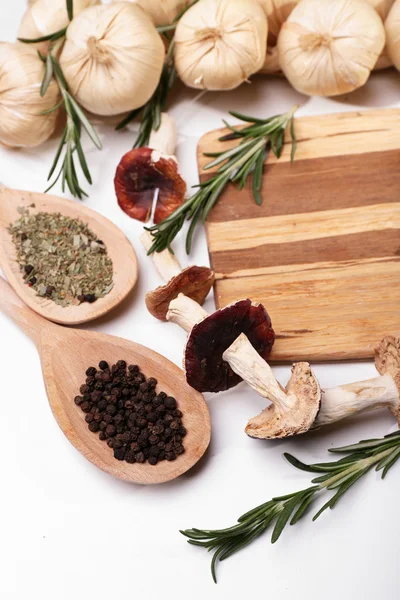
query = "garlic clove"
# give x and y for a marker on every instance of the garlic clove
(112, 58)
(21, 124)
(45, 17)
(382, 7)
(326, 49)
(220, 43)
(162, 12)
(392, 26)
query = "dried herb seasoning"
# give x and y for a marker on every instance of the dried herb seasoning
(61, 258)
(123, 407)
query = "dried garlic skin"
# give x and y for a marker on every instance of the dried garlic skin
(21, 75)
(112, 58)
(382, 7)
(44, 17)
(162, 12)
(220, 43)
(330, 48)
(277, 12)
(392, 26)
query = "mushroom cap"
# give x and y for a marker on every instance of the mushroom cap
(194, 282)
(205, 368)
(140, 173)
(387, 361)
(304, 395)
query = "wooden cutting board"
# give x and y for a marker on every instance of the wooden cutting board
(322, 253)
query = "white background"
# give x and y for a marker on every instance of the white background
(67, 530)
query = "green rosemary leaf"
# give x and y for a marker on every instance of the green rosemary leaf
(257, 175)
(283, 519)
(52, 109)
(82, 160)
(360, 446)
(90, 130)
(388, 460)
(164, 28)
(70, 9)
(228, 154)
(45, 38)
(216, 192)
(295, 462)
(303, 506)
(48, 76)
(294, 140)
(246, 118)
(58, 154)
(59, 74)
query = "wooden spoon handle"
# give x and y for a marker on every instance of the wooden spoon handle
(27, 319)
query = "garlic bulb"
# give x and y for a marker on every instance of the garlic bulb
(162, 12)
(277, 12)
(330, 48)
(21, 74)
(220, 43)
(44, 17)
(392, 26)
(382, 7)
(112, 58)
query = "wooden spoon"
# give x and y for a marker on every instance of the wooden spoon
(118, 246)
(66, 353)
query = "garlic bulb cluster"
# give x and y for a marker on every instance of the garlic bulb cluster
(45, 17)
(392, 26)
(330, 48)
(382, 7)
(112, 58)
(220, 43)
(21, 74)
(277, 12)
(162, 12)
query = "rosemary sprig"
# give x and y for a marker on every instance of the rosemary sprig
(150, 113)
(338, 476)
(71, 137)
(76, 118)
(235, 165)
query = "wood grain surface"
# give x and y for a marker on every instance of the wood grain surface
(66, 353)
(322, 253)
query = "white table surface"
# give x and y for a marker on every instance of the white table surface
(70, 531)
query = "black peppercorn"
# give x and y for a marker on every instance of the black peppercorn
(170, 455)
(119, 453)
(78, 400)
(90, 298)
(91, 371)
(28, 269)
(170, 402)
(139, 457)
(93, 427)
(103, 365)
(153, 460)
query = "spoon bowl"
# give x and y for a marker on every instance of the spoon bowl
(66, 353)
(118, 247)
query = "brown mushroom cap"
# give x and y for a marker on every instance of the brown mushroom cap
(194, 282)
(140, 173)
(387, 361)
(304, 395)
(205, 368)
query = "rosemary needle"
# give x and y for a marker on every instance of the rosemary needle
(339, 476)
(235, 165)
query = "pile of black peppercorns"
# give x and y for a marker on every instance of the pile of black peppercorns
(124, 407)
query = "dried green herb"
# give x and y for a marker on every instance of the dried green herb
(61, 258)
(338, 476)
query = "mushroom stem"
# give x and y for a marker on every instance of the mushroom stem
(185, 312)
(165, 262)
(245, 361)
(355, 398)
(336, 403)
(164, 140)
